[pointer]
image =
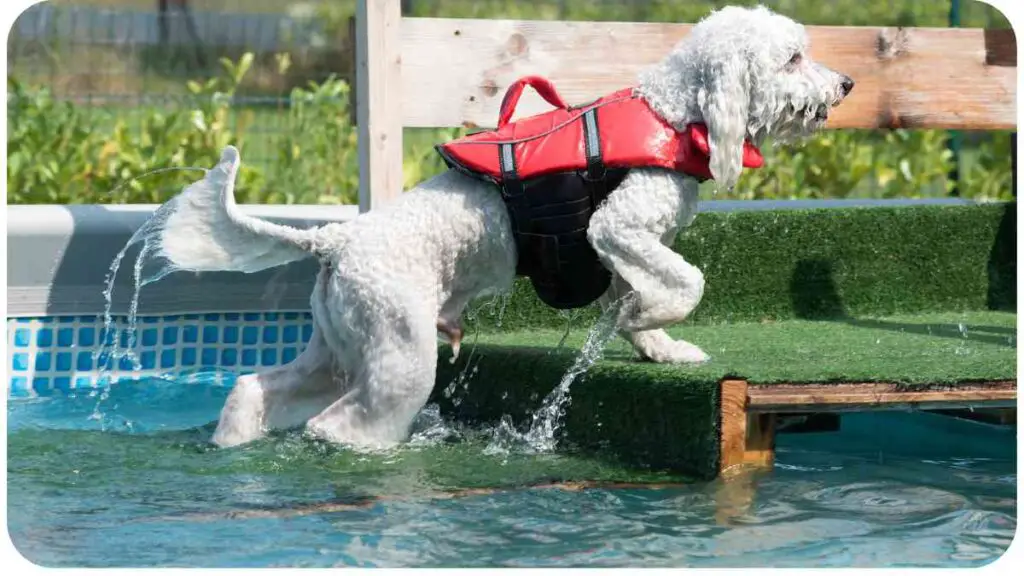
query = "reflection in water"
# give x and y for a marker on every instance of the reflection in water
(887, 490)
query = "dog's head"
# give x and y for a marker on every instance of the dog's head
(745, 73)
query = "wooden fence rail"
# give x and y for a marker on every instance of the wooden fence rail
(448, 72)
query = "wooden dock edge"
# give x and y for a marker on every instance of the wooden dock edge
(749, 412)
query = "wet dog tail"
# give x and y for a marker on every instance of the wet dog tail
(202, 228)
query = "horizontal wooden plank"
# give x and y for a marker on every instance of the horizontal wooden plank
(871, 396)
(455, 71)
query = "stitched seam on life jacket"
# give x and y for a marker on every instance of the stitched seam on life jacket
(542, 134)
(581, 212)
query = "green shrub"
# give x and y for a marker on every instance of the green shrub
(316, 158)
(61, 153)
(49, 144)
(814, 12)
(848, 163)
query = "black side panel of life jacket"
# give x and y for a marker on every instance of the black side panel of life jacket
(550, 215)
(550, 225)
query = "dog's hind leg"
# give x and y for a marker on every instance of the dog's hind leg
(280, 398)
(391, 364)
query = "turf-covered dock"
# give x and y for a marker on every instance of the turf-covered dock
(805, 312)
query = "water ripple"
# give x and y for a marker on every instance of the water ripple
(73, 504)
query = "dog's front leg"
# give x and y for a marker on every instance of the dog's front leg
(629, 233)
(654, 345)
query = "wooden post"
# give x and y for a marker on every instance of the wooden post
(760, 448)
(733, 423)
(746, 438)
(379, 101)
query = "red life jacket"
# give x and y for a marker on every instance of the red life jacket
(630, 134)
(554, 170)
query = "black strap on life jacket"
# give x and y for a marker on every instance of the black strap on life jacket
(550, 215)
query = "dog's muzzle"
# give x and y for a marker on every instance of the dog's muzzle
(846, 85)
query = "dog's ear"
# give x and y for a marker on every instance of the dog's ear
(724, 103)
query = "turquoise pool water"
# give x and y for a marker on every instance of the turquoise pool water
(136, 484)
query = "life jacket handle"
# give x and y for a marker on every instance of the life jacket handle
(541, 85)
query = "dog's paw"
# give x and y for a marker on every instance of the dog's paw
(341, 433)
(241, 419)
(679, 352)
(657, 346)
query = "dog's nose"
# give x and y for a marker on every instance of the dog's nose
(847, 85)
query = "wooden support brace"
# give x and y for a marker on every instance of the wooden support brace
(749, 414)
(858, 397)
(379, 101)
(746, 438)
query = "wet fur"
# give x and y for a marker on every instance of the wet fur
(396, 278)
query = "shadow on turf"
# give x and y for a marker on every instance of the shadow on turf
(815, 297)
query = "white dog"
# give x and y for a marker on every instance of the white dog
(396, 278)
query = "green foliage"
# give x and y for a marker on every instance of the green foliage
(46, 141)
(814, 12)
(847, 163)
(988, 176)
(62, 153)
(317, 159)
(59, 153)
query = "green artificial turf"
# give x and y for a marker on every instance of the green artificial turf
(829, 263)
(662, 416)
(925, 349)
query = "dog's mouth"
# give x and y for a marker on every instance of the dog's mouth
(817, 112)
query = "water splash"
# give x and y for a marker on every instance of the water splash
(569, 316)
(541, 436)
(460, 383)
(961, 348)
(109, 356)
(430, 428)
(503, 300)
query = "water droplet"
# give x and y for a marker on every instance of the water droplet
(546, 421)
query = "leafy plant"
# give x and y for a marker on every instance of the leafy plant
(848, 163)
(48, 144)
(59, 152)
(317, 157)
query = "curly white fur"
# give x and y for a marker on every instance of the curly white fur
(397, 277)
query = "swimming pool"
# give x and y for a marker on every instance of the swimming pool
(131, 481)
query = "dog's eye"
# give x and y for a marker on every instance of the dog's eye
(796, 60)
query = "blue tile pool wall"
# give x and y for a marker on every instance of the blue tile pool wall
(54, 354)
